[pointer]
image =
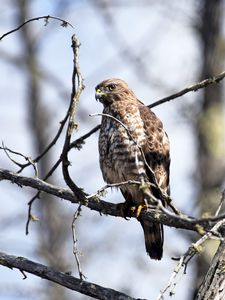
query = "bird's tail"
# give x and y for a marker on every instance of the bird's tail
(154, 238)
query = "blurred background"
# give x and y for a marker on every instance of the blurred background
(158, 47)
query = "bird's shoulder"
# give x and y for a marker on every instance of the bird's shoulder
(155, 133)
(151, 121)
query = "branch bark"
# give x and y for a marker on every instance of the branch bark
(95, 203)
(63, 279)
(213, 285)
(75, 95)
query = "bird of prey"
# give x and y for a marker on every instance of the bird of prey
(133, 146)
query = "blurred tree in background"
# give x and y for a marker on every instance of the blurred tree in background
(210, 121)
(52, 232)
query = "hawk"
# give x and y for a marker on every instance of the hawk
(132, 144)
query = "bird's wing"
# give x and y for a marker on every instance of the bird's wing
(156, 148)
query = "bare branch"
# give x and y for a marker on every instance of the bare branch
(37, 195)
(75, 95)
(76, 252)
(213, 285)
(222, 200)
(50, 145)
(192, 88)
(29, 214)
(80, 141)
(63, 279)
(75, 144)
(195, 248)
(95, 203)
(29, 159)
(46, 19)
(101, 191)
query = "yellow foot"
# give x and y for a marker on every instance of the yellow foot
(127, 211)
(139, 208)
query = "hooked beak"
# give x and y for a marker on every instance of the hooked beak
(99, 94)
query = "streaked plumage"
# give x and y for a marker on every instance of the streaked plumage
(121, 159)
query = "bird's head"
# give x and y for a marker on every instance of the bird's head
(111, 90)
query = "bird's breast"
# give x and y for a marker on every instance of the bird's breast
(120, 144)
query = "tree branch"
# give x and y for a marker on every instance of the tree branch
(195, 248)
(63, 279)
(213, 285)
(75, 95)
(80, 141)
(46, 19)
(192, 88)
(95, 203)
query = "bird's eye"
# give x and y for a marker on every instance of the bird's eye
(111, 87)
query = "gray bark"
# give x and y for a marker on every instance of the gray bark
(213, 286)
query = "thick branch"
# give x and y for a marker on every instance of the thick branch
(68, 281)
(95, 203)
(213, 285)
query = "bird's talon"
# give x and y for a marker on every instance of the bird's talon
(139, 209)
(132, 209)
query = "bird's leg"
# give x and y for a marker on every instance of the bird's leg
(144, 187)
(140, 207)
(133, 207)
(126, 209)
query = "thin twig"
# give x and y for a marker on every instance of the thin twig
(64, 24)
(75, 144)
(222, 200)
(67, 146)
(76, 252)
(80, 141)
(46, 18)
(29, 159)
(192, 88)
(35, 160)
(29, 214)
(51, 144)
(37, 195)
(23, 273)
(113, 185)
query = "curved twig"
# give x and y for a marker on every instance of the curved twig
(46, 18)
